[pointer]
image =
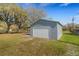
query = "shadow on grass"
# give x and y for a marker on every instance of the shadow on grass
(72, 34)
(70, 43)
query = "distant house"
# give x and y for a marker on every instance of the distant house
(46, 29)
(76, 30)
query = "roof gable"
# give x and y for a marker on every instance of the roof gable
(46, 23)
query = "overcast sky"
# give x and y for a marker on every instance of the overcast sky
(62, 12)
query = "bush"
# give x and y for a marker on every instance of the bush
(3, 27)
(13, 28)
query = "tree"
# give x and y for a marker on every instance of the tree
(34, 15)
(69, 27)
(12, 14)
(3, 27)
(23, 18)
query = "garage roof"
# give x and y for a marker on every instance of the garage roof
(46, 21)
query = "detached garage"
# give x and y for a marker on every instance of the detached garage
(46, 29)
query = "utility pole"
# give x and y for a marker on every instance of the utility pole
(73, 25)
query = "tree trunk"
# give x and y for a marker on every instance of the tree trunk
(8, 28)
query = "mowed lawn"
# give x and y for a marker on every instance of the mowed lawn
(71, 38)
(24, 45)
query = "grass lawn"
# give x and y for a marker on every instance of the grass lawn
(21, 44)
(8, 40)
(70, 38)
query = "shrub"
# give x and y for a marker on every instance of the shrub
(3, 27)
(13, 28)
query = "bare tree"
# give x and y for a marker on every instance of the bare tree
(34, 14)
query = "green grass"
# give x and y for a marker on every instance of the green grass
(23, 45)
(70, 38)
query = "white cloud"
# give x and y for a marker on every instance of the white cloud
(77, 16)
(64, 4)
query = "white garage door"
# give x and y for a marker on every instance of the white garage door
(41, 33)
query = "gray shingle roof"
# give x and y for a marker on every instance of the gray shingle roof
(44, 20)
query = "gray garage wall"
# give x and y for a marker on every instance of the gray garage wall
(59, 31)
(41, 31)
(54, 29)
(53, 34)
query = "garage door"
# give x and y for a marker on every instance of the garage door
(42, 33)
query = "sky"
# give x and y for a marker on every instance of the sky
(62, 12)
